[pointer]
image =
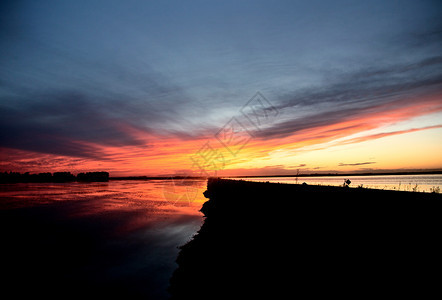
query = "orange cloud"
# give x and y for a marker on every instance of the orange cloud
(166, 155)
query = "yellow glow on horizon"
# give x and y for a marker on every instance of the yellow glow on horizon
(403, 137)
(415, 150)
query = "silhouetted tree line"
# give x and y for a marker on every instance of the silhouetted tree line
(11, 177)
(93, 176)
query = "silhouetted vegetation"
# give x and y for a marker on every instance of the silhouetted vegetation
(93, 176)
(155, 177)
(15, 177)
(63, 177)
(435, 189)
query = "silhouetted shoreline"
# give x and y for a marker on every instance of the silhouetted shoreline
(16, 177)
(155, 177)
(283, 240)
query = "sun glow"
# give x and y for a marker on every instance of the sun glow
(383, 137)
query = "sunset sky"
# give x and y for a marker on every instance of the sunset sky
(220, 88)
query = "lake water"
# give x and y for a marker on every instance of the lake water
(117, 238)
(420, 183)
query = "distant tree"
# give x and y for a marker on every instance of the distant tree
(44, 177)
(93, 176)
(63, 177)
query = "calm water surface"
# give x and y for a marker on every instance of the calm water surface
(420, 183)
(119, 237)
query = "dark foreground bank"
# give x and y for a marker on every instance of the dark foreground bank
(278, 240)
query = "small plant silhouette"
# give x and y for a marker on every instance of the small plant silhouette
(435, 190)
(415, 188)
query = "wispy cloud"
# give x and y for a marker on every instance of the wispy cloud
(385, 134)
(356, 164)
(354, 95)
(151, 84)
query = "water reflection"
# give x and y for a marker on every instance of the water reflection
(116, 238)
(418, 183)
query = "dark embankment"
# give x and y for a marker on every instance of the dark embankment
(278, 240)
